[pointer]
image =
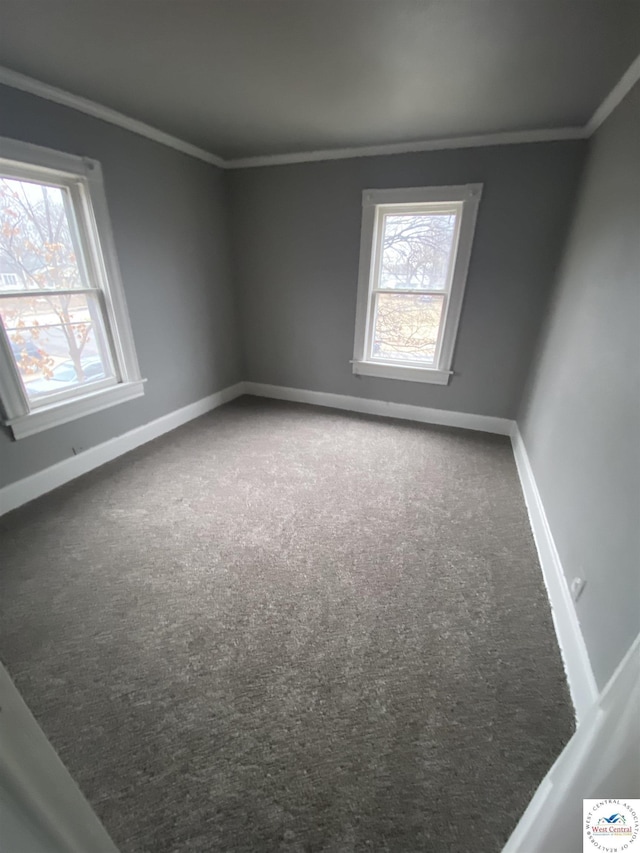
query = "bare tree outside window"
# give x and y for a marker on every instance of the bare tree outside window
(416, 250)
(66, 343)
(50, 314)
(414, 261)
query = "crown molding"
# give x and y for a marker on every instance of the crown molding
(15, 80)
(507, 138)
(622, 88)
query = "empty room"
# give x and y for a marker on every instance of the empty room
(319, 426)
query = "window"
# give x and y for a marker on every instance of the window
(414, 254)
(9, 280)
(66, 347)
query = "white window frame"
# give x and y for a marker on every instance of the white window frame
(464, 199)
(83, 179)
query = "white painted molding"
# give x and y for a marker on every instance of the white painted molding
(574, 653)
(403, 372)
(43, 807)
(403, 411)
(25, 490)
(582, 684)
(517, 137)
(47, 417)
(615, 96)
(602, 757)
(15, 80)
(29, 488)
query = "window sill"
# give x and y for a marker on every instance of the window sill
(47, 417)
(403, 372)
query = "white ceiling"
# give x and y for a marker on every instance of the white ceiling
(257, 77)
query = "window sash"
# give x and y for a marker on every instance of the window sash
(87, 253)
(104, 343)
(405, 362)
(381, 212)
(47, 291)
(384, 210)
(74, 393)
(416, 291)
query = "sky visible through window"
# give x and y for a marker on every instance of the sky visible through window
(415, 256)
(56, 335)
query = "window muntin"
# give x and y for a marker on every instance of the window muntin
(415, 250)
(65, 337)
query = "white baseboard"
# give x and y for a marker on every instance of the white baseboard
(582, 684)
(442, 417)
(602, 755)
(576, 659)
(23, 491)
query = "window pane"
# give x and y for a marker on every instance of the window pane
(406, 327)
(38, 244)
(58, 341)
(416, 250)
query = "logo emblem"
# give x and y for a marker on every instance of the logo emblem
(611, 825)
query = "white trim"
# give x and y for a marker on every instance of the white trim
(516, 137)
(48, 803)
(582, 683)
(622, 88)
(26, 157)
(447, 195)
(15, 80)
(25, 490)
(102, 253)
(401, 372)
(24, 83)
(576, 660)
(602, 757)
(46, 417)
(12, 395)
(403, 411)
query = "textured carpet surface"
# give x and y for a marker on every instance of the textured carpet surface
(288, 629)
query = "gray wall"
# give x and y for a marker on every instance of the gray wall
(296, 233)
(580, 419)
(169, 222)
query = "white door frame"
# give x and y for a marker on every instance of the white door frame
(602, 759)
(40, 804)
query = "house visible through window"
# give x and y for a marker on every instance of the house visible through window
(53, 317)
(415, 251)
(9, 280)
(65, 333)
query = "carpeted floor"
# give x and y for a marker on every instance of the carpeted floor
(283, 628)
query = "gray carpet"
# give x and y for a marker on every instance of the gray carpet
(283, 628)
